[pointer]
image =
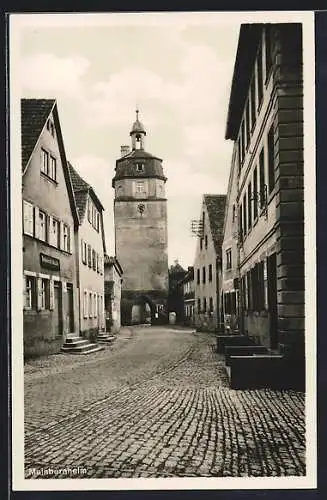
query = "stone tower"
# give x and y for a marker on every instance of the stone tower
(140, 213)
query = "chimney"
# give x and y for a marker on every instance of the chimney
(124, 150)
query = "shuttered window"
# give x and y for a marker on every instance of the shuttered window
(28, 214)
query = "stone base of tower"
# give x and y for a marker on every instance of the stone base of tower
(144, 307)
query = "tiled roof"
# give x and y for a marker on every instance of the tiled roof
(215, 204)
(126, 166)
(112, 261)
(34, 113)
(80, 188)
(176, 268)
(189, 276)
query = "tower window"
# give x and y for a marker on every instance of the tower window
(140, 167)
(140, 188)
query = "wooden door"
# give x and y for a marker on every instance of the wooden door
(70, 308)
(57, 309)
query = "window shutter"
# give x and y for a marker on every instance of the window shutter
(85, 303)
(47, 228)
(61, 235)
(51, 294)
(37, 222)
(70, 239)
(90, 304)
(25, 292)
(39, 294)
(28, 216)
(95, 305)
(51, 238)
(82, 251)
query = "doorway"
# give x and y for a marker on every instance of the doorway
(272, 300)
(70, 308)
(57, 309)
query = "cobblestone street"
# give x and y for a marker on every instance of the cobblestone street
(157, 404)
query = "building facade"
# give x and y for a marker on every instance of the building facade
(49, 218)
(230, 255)
(113, 278)
(265, 121)
(176, 295)
(189, 297)
(207, 264)
(90, 250)
(140, 213)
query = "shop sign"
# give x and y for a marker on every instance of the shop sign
(49, 262)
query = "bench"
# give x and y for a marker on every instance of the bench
(243, 350)
(232, 340)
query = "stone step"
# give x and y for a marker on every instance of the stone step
(76, 342)
(85, 349)
(106, 338)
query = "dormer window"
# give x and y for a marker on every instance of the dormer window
(140, 167)
(50, 127)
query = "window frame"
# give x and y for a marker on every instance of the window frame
(271, 159)
(139, 167)
(45, 155)
(260, 75)
(53, 171)
(249, 207)
(210, 274)
(255, 193)
(29, 292)
(66, 238)
(57, 223)
(43, 223)
(85, 303)
(204, 304)
(44, 292)
(228, 254)
(262, 176)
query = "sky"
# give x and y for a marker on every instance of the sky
(177, 69)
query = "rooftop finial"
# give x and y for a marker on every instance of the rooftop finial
(137, 113)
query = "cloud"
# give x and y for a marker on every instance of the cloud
(47, 74)
(190, 94)
(185, 181)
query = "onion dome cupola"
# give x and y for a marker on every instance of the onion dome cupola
(137, 133)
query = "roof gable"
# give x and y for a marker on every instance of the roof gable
(81, 190)
(34, 115)
(215, 204)
(113, 261)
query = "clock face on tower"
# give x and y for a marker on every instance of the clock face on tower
(141, 208)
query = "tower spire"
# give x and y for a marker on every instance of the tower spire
(137, 133)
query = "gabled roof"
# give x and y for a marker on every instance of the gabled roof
(81, 190)
(34, 114)
(113, 261)
(215, 204)
(176, 268)
(189, 276)
(245, 57)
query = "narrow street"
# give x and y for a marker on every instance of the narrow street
(157, 404)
